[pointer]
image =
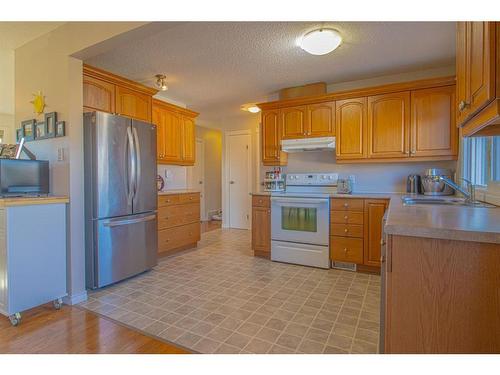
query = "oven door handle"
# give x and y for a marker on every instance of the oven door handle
(299, 200)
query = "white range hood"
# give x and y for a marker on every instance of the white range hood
(308, 144)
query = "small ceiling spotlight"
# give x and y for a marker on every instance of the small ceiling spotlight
(161, 82)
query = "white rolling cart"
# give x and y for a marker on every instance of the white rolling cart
(32, 254)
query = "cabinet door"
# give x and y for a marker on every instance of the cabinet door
(475, 46)
(172, 138)
(271, 138)
(351, 128)
(188, 140)
(158, 118)
(389, 125)
(98, 95)
(261, 230)
(133, 104)
(374, 212)
(293, 122)
(321, 120)
(433, 130)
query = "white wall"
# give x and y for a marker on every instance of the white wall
(7, 107)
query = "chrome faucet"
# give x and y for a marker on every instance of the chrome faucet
(469, 194)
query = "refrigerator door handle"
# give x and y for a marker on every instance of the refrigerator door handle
(133, 167)
(130, 221)
(137, 161)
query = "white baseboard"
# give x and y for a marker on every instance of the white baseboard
(73, 299)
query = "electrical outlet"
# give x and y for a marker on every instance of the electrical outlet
(60, 154)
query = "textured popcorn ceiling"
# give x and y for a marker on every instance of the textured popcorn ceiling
(214, 67)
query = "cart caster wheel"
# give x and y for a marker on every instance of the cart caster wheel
(58, 304)
(15, 319)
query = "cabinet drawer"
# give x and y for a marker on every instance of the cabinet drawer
(261, 201)
(351, 204)
(168, 200)
(346, 217)
(347, 230)
(189, 198)
(173, 216)
(345, 249)
(173, 238)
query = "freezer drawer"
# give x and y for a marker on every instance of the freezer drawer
(124, 247)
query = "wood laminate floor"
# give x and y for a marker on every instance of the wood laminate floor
(73, 330)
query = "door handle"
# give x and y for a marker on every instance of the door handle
(130, 221)
(131, 176)
(138, 161)
(231, 182)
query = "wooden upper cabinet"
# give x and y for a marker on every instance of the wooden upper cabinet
(98, 95)
(133, 104)
(321, 120)
(188, 140)
(475, 67)
(351, 128)
(433, 129)
(374, 211)
(172, 137)
(271, 138)
(293, 122)
(158, 118)
(389, 125)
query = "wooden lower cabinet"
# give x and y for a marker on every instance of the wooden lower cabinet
(261, 226)
(356, 230)
(178, 222)
(441, 296)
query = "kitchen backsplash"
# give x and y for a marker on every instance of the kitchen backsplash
(175, 176)
(383, 177)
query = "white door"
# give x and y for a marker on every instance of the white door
(239, 194)
(196, 176)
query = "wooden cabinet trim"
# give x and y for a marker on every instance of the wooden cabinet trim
(364, 92)
(117, 80)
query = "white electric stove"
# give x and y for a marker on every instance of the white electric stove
(300, 219)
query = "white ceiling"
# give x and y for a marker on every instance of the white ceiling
(214, 67)
(14, 34)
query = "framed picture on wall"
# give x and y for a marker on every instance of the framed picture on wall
(40, 130)
(19, 134)
(50, 121)
(28, 128)
(60, 129)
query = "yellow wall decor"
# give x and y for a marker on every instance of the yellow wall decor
(38, 102)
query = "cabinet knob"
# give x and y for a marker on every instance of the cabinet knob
(412, 152)
(462, 105)
(346, 230)
(268, 211)
(382, 259)
(345, 217)
(345, 250)
(190, 198)
(260, 200)
(346, 205)
(168, 200)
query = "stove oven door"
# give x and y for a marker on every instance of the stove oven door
(300, 220)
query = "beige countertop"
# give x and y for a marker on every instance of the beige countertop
(461, 223)
(178, 191)
(30, 201)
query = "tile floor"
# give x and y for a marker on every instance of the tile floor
(220, 299)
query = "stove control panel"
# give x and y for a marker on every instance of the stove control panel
(319, 179)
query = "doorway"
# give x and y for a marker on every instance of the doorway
(196, 176)
(238, 179)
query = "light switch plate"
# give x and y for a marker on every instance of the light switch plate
(60, 154)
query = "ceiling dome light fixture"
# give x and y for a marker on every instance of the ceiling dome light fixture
(161, 82)
(250, 107)
(320, 41)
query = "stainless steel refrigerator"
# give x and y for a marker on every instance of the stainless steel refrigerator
(120, 198)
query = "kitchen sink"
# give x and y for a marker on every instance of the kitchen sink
(410, 201)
